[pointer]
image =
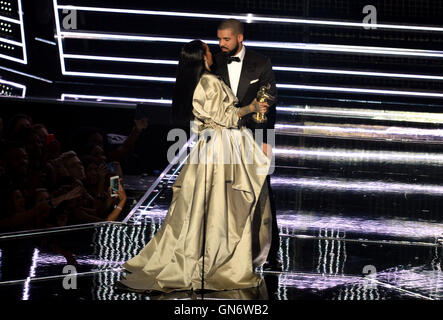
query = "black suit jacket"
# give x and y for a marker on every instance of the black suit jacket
(255, 66)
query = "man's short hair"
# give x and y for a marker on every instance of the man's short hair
(235, 25)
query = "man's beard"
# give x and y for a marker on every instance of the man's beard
(232, 52)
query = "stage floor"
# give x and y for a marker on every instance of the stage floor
(326, 268)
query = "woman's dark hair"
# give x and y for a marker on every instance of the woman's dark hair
(191, 66)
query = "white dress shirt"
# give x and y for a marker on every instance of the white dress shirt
(234, 70)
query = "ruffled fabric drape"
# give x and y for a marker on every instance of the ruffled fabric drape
(224, 178)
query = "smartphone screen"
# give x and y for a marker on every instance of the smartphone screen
(114, 182)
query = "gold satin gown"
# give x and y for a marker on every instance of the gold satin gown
(238, 214)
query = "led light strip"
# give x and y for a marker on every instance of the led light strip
(9, 20)
(363, 155)
(15, 43)
(283, 86)
(438, 133)
(118, 76)
(22, 32)
(17, 85)
(276, 68)
(45, 41)
(21, 44)
(263, 44)
(360, 73)
(389, 115)
(122, 59)
(361, 90)
(64, 96)
(59, 40)
(301, 46)
(251, 18)
(358, 185)
(25, 74)
(356, 131)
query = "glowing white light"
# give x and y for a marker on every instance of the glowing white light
(15, 43)
(31, 275)
(122, 59)
(118, 76)
(360, 90)
(21, 44)
(16, 85)
(25, 74)
(109, 98)
(276, 68)
(282, 45)
(251, 18)
(22, 32)
(46, 41)
(388, 130)
(363, 155)
(426, 117)
(262, 44)
(360, 73)
(9, 20)
(59, 40)
(358, 185)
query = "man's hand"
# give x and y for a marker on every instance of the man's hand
(256, 106)
(263, 107)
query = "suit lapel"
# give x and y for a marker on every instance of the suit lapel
(225, 74)
(245, 75)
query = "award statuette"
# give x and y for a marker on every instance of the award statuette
(263, 96)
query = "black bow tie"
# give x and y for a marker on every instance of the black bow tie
(236, 59)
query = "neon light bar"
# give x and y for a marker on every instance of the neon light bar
(22, 32)
(426, 117)
(118, 76)
(361, 73)
(45, 41)
(363, 155)
(11, 58)
(21, 44)
(249, 18)
(358, 185)
(122, 59)
(59, 40)
(393, 131)
(26, 74)
(361, 90)
(276, 68)
(283, 86)
(262, 44)
(9, 20)
(14, 84)
(109, 98)
(11, 42)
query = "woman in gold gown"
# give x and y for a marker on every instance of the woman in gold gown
(217, 228)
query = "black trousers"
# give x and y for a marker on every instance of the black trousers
(275, 242)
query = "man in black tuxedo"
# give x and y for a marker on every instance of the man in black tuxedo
(245, 71)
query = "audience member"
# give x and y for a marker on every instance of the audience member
(42, 187)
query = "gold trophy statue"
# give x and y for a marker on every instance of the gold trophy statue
(263, 96)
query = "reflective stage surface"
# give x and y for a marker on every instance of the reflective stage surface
(329, 267)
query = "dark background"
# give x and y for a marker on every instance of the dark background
(42, 99)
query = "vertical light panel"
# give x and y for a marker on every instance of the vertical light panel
(11, 17)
